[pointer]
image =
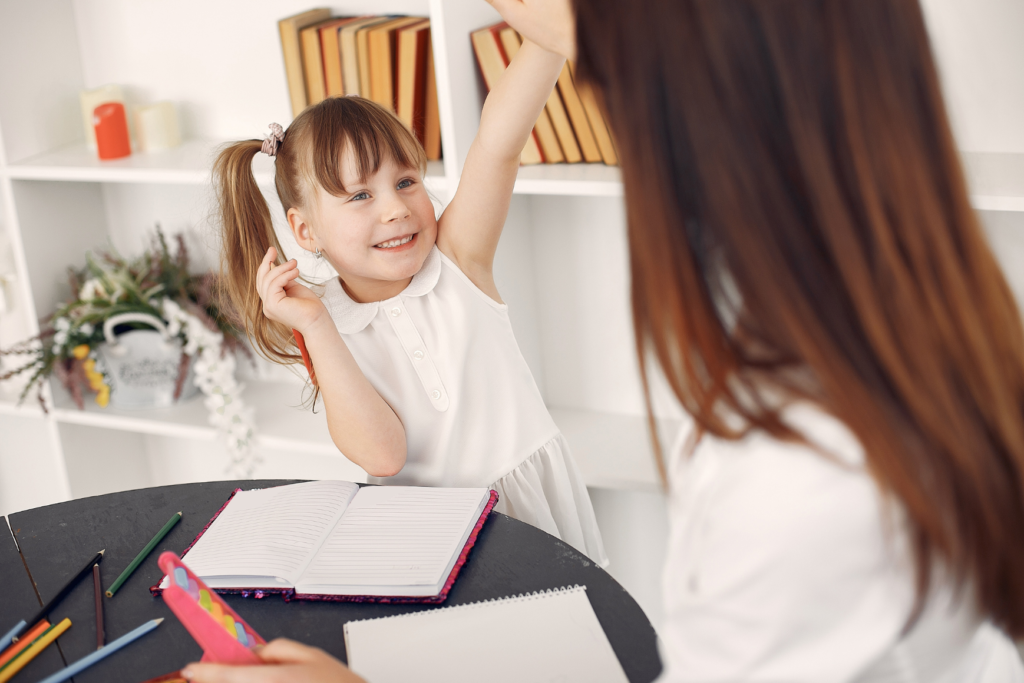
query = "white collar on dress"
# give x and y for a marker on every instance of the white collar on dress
(351, 316)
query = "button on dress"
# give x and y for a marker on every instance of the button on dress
(443, 355)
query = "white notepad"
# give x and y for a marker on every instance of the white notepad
(335, 538)
(536, 638)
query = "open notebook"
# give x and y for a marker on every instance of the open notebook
(332, 540)
(549, 636)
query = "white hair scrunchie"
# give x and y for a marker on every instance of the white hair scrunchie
(273, 140)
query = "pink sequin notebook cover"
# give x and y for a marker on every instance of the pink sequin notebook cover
(289, 594)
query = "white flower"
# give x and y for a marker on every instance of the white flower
(62, 324)
(56, 349)
(92, 289)
(86, 329)
(61, 338)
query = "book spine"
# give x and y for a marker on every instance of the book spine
(578, 116)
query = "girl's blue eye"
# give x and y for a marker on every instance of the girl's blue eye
(361, 195)
(404, 184)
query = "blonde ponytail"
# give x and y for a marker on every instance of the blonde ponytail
(247, 231)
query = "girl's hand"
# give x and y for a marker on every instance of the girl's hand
(284, 300)
(549, 23)
(285, 662)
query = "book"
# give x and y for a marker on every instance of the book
(334, 540)
(289, 28)
(350, 76)
(313, 64)
(382, 48)
(598, 122)
(411, 43)
(491, 59)
(552, 140)
(578, 116)
(432, 125)
(548, 636)
(331, 49)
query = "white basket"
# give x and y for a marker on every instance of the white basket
(142, 365)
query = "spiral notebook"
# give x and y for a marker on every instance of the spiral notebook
(548, 636)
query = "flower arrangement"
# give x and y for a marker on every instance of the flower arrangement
(157, 283)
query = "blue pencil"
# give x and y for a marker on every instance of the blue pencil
(89, 660)
(8, 638)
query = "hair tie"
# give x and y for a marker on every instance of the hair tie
(273, 140)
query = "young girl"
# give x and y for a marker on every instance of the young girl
(421, 377)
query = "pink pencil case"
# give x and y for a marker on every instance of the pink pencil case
(223, 635)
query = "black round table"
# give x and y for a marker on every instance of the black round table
(509, 558)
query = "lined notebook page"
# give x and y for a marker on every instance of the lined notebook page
(271, 532)
(393, 537)
(553, 636)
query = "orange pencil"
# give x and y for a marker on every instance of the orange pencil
(24, 642)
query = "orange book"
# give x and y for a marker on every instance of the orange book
(331, 50)
(578, 116)
(381, 44)
(597, 119)
(411, 76)
(291, 49)
(432, 124)
(491, 59)
(548, 135)
(350, 64)
(313, 64)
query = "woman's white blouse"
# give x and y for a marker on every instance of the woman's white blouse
(787, 565)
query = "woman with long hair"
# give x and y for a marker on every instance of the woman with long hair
(810, 277)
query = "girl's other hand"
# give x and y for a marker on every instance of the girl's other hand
(284, 300)
(286, 661)
(549, 23)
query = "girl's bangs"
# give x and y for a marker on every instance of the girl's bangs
(372, 134)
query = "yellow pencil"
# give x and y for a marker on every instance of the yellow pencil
(16, 664)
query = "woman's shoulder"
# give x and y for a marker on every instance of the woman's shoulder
(789, 551)
(815, 501)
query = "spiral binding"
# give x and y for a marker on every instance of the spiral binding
(521, 597)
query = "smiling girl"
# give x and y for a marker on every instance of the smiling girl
(421, 376)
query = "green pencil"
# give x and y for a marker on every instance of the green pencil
(175, 518)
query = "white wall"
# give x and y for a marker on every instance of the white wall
(979, 45)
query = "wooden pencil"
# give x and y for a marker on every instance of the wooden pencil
(28, 654)
(97, 591)
(175, 518)
(62, 593)
(25, 641)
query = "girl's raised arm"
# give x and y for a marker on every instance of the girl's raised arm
(469, 229)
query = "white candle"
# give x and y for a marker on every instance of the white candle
(90, 99)
(156, 127)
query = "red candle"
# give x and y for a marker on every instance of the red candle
(111, 126)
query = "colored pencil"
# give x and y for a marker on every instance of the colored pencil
(72, 582)
(28, 654)
(12, 634)
(97, 592)
(175, 518)
(87, 661)
(28, 643)
(24, 642)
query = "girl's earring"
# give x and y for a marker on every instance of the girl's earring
(317, 254)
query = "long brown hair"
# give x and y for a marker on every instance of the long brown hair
(309, 156)
(799, 226)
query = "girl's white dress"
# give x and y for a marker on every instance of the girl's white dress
(443, 355)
